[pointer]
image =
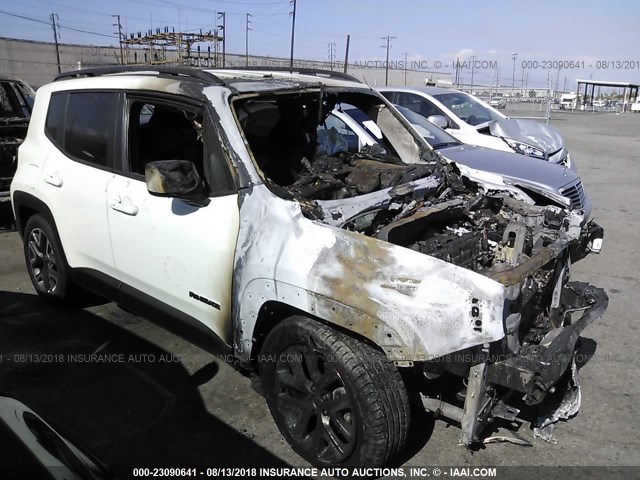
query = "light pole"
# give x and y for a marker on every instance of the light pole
(513, 78)
(293, 34)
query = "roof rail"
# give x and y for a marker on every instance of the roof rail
(303, 71)
(162, 71)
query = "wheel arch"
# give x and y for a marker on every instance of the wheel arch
(260, 311)
(25, 206)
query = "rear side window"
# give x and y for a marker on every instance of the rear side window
(83, 125)
(54, 125)
(90, 125)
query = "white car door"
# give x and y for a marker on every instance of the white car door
(174, 252)
(76, 172)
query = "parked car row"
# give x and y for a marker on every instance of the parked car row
(332, 244)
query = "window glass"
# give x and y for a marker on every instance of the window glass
(436, 137)
(336, 136)
(418, 104)
(54, 125)
(468, 108)
(90, 126)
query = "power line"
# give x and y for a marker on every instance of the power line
(58, 25)
(25, 18)
(88, 32)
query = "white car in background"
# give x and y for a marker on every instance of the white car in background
(475, 122)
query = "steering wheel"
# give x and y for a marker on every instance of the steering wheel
(471, 119)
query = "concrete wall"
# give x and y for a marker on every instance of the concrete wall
(35, 62)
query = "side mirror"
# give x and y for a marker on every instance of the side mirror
(438, 121)
(175, 178)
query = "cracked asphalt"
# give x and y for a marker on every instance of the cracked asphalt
(163, 401)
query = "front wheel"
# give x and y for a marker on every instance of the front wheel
(337, 400)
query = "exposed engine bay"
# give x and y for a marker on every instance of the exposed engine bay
(401, 192)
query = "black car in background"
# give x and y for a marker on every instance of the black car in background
(16, 102)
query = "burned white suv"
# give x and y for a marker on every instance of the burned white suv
(347, 279)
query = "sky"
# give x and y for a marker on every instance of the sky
(602, 39)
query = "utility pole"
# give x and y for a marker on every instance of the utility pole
(346, 54)
(54, 16)
(332, 52)
(522, 79)
(405, 68)
(387, 46)
(564, 89)
(246, 41)
(223, 16)
(119, 37)
(513, 79)
(458, 71)
(293, 34)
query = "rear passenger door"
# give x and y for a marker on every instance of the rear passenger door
(82, 126)
(171, 255)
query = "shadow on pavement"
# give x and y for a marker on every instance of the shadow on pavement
(132, 403)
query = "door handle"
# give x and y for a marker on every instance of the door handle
(53, 179)
(126, 209)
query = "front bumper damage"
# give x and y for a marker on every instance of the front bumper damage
(534, 372)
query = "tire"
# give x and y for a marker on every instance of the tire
(336, 400)
(46, 262)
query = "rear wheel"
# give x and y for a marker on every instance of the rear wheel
(335, 399)
(45, 260)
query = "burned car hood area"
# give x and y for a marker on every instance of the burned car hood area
(444, 274)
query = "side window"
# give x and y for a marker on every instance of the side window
(160, 131)
(54, 125)
(418, 104)
(391, 96)
(90, 126)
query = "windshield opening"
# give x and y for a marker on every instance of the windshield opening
(468, 108)
(305, 143)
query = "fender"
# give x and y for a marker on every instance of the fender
(261, 291)
(413, 306)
